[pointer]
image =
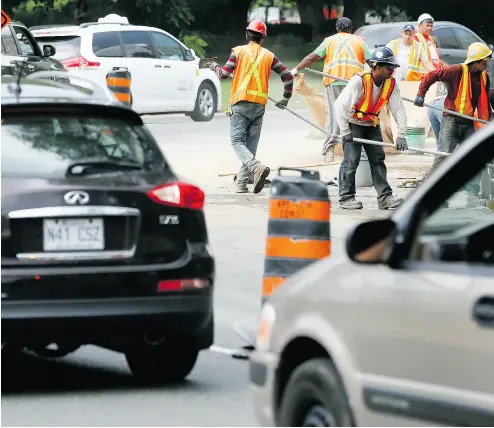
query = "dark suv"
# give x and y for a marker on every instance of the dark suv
(452, 40)
(18, 44)
(102, 243)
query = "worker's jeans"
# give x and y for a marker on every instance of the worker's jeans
(435, 117)
(452, 133)
(351, 160)
(331, 93)
(245, 131)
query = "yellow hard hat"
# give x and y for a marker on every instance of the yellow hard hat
(477, 51)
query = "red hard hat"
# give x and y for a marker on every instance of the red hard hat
(258, 26)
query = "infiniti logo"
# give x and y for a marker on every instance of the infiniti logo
(76, 197)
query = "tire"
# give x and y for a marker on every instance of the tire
(206, 103)
(170, 361)
(314, 396)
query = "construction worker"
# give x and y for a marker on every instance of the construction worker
(248, 98)
(344, 55)
(357, 110)
(412, 58)
(423, 36)
(468, 93)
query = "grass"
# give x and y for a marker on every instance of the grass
(289, 50)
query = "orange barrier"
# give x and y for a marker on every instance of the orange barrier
(118, 81)
(298, 226)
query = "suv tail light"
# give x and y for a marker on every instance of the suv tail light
(180, 194)
(183, 284)
(80, 62)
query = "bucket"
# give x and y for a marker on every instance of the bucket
(415, 137)
(363, 176)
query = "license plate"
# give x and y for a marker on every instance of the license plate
(73, 234)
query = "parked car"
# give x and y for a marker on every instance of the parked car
(275, 15)
(399, 330)
(165, 73)
(102, 243)
(19, 47)
(452, 40)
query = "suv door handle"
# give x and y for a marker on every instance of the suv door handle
(483, 311)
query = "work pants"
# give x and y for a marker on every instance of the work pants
(331, 93)
(351, 160)
(245, 131)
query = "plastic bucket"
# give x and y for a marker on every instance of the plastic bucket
(416, 137)
(363, 176)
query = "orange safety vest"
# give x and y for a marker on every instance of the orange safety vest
(344, 56)
(425, 45)
(463, 101)
(416, 70)
(251, 77)
(363, 109)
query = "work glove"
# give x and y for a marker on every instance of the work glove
(294, 71)
(213, 66)
(282, 103)
(419, 101)
(348, 138)
(401, 144)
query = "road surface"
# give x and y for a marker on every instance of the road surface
(93, 387)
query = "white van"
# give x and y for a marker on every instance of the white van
(165, 73)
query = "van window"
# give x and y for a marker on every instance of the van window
(107, 44)
(66, 46)
(445, 38)
(167, 47)
(137, 44)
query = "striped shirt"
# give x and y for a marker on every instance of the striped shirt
(277, 66)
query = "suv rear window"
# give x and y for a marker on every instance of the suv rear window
(44, 146)
(66, 46)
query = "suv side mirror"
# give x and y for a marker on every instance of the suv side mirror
(192, 52)
(368, 242)
(49, 50)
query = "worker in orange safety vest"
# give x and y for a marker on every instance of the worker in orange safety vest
(424, 37)
(357, 110)
(412, 57)
(252, 65)
(344, 55)
(468, 94)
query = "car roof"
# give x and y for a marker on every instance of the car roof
(384, 25)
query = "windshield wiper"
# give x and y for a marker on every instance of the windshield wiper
(95, 166)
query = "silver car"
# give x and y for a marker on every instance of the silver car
(400, 330)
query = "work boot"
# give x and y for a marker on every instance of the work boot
(251, 181)
(389, 203)
(351, 204)
(260, 178)
(242, 188)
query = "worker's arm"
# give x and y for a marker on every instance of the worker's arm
(344, 103)
(226, 71)
(285, 76)
(446, 74)
(398, 111)
(313, 57)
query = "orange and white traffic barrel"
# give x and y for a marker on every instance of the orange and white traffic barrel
(119, 81)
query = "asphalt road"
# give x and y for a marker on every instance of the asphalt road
(93, 387)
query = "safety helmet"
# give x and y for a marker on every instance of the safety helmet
(258, 26)
(344, 23)
(477, 51)
(425, 17)
(383, 56)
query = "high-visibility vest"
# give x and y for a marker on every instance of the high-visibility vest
(251, 77)
(344, 56)
(463, 101)
(425, 45)
(364, 110)
(416, 70)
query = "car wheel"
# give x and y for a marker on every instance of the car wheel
(315, 396)
(206, 103)
(170, 361)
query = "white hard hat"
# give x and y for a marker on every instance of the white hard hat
(423, 17)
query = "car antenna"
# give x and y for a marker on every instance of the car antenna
(21, 65)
